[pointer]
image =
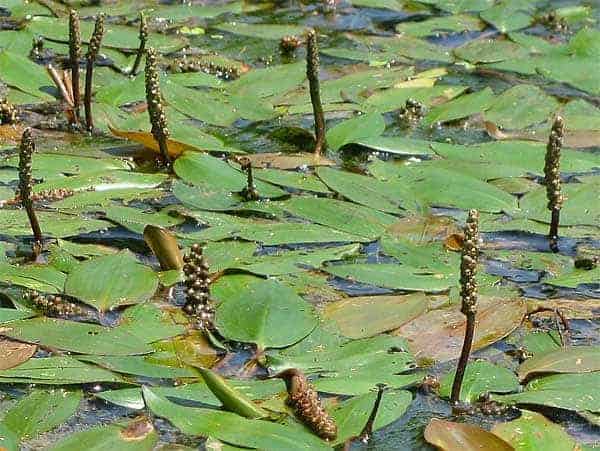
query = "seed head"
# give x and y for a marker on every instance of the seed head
(26, 150)
(305, 401)
(197, 282)
(74, 36)
(468, 264)
(96, 39)
(552, 166)
(8, 112)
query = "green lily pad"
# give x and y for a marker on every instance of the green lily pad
(352, 414)
(365, 316)
(364, 190)
(440, 25)
(41, 411)
(255, 311)
(395, 276)
(261, 31)
(12, 68)
(94, 281)
(355, 129)
(533, 431)
(480, 378)
(460, 107)
(137, 435)
(232, 428)
(76, 337)
(36, 277)
(580, 359)
(521, 106)
(56, 371)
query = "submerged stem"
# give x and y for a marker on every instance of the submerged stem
(93, 49)
(312, 73)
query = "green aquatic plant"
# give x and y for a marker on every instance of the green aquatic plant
(198, 302)
(156, 111)
(74, 57)
(26, 150)
(93, 49)
(249, 192)
(143, 36)
(552, 178)
(468, 294)
(305, 401)
(312, 73)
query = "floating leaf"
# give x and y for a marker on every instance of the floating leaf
(76, 337)
(111, 281)
(232, 399)
(355, 129)
(461, 107)
(449, 436)
(13, 353)
(352, 415)
(232, 428)
(394, 276)
(576, 392)
(580, 359)
(12, 68)
(137, 435)
(480, 378)
(533, 431)
(257, 311)
(365, 316)
(438, 335)
(56, 371)
(41, 411)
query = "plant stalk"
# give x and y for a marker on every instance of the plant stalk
(74, 57)
(26, 150)
(312, 73)
(93, 49)
(468, 293)
(552, 179)
(142, 48)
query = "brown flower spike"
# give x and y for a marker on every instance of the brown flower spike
(142, 48)
(74, 57)
(552, 178)
(92, 54)
(156, 111)
(27, 149)
(197, 282)
(303, 398)
(468, 294)
(312, 72)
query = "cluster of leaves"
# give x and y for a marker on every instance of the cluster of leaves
(285, 264)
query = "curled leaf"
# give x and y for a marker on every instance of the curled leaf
(164, 246)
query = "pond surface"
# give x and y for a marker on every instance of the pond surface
(346, 266)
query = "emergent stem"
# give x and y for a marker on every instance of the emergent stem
(553, 235)
(94, 47)
(142, 48)
(312, 73)
(74, 57)
(464, 358)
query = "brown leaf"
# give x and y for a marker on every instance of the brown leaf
(137, 430)
(573, 138)
(449, 436)
(288, 161)
(454, 242)
(422, 229)
(365, 316)
(13, 353)
(176, 148)
(164, 246)
(569, 308)
(438, 335)
(10, 133)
